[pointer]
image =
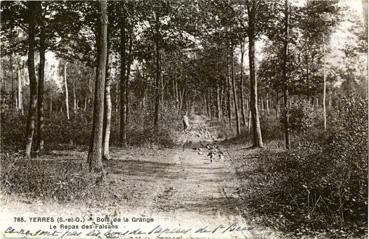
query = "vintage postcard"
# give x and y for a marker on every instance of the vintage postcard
(184, 119)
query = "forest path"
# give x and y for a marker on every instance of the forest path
(192, 186)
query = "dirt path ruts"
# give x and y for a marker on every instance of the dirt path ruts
(194, 189)
(179, 186)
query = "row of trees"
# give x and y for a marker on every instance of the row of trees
(152, 54)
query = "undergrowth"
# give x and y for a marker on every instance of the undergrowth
(61, 133)
(319, 185)
(59, 180)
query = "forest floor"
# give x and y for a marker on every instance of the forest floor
(194, 185)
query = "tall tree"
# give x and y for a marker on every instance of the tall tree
(252, 9)
(33, 8)
(324, 86)
(235, 99)
(20, 92)
(107, 108)
(66, 91)
(123, 65)
(284, 74)
(95, 152)
(157, 68)
(242, 84)
(41, 76)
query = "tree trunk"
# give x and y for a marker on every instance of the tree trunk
(157, 77)
(262, 105)
(229, 107)
(257, 138)
(235, 96)
(324, 88)
(123, 106)
(218, 103)
(276, 105)
(285, 78)
(20, 93)
(95, 152)
(51, 104)
(241, 84)
(89, 95)
(181, 99)
(129, 65)
(66, 90)
(249, 117)
(117, 100)
(267, 103)
(40, 93)
(206, 105)
(13, 98)
(74, 98)
(107, 107)
(107, 118)
(31, 120)
(177, 94)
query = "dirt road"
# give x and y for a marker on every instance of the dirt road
(192, 186)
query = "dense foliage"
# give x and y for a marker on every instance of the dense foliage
(321, 184)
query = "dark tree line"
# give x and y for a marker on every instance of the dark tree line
(149, 56)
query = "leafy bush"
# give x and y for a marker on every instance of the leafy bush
(61, 131)
(303, 117)
(322, 182)
(13, 127)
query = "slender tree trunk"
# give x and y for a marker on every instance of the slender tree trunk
(222, 101)
(257, 138)
(176, 94)
(229, 89)
(66, 90)
(324, 88)
(40, 93)
(208, 98)
(74, 98)
(262, 105)
(235, 96)
(129, 65)
(117, 99)
(181, 99)
(95, 151)
(206, 105)
(241, 84)
(90, 91)
(276, 105)
(51, 104)
(13, 98)
(158, 75)
(107, 120)
(107, 107)
(218, 103)
(285, 78)
(31, 120)
(249, 117)
(123, 106)
(20, 93)
(267, 103)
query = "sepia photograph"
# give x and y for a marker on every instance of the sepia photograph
(176, 119)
